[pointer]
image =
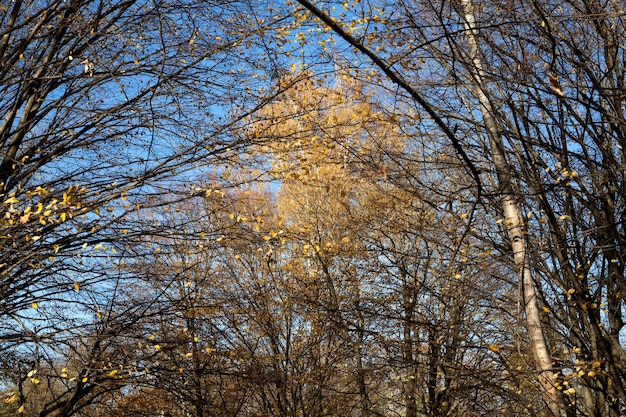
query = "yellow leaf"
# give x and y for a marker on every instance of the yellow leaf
(85, 379)
(21, 410)
(188, 355)
(63, 217)
(464, 215)
(113, 373)
(546, 309)
(494, 348)
(157, 347)
(232, 216)
(77, 286)
(11, 399)
(35, 305)
(31, 373)
(98, 246)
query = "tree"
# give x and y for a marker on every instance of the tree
(469, 181)
(103, 104)
(379, 256)
(548, 131)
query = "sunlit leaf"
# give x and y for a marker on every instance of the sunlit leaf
(11, 399)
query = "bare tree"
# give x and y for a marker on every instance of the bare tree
(104, 104)
(528, 95)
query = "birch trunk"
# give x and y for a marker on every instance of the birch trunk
(513, 219)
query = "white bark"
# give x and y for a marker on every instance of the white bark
(513, 218)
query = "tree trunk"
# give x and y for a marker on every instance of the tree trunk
(512, 218)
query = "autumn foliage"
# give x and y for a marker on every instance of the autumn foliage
(312, 209)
